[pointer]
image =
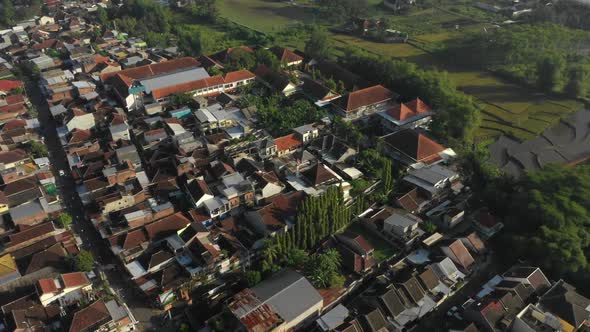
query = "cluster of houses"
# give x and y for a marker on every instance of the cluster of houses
(182, 183)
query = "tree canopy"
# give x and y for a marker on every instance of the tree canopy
(549, 56)
(549, 218)
(457, 115)
(319, 45)
(84, 261)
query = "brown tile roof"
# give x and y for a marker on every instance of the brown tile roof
(366, 97)
(53, 256)
(415, 145)
(287, 142)
(475, 242)
(167, 225)
(429, 279)
(31, 233)
(281, 207)
(285, 55)
(319, 174)
(485, 218)
(154, 69)
(90, 317)
(75, 279)
(460, 254)
(49, 43)
(413, 289)
(134, 238)
(19, 186)
(8, 157)
(80, 136)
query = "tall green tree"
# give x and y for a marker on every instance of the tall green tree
(7, 13)
(549, 219)
(319, 45)
(84, 261)
(550, 72)
(578, 81)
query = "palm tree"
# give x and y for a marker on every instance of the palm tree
(270, 251)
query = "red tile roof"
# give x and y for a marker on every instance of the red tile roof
(75, 279)
(14, 124)
(154, 69)
(14, 99)
(9, 85)
(406, 111)
(285, 55)
(90, 317)
(362, 242)
(365, 97)
(288, 142)
(238, 75)
(47, 286)
(14, 108)
(415, 145)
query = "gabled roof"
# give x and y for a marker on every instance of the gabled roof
(90, 317)
(166, 226)
(281, 207)
(459, 254)
(47, 285)
(7, 265)
(153, 69)
(9, 85)
(429, 279)
(287, 142)
(365, 97)
(319, 174)
(75, 279)
(392, 303)
(8, 157)
(415, 145)
(409, 110)
(285, 55)
(563, 301)
(413, 289)
(31, 233)
(134, 238)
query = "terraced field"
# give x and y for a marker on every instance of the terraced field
(508, 108)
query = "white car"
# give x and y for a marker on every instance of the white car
(61, 172)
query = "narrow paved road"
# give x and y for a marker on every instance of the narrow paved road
(148, 317)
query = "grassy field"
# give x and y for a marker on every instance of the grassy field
(383, 250)
(508, 108)
(266, 15)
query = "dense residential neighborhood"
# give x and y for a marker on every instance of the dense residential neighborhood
(257, 188)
